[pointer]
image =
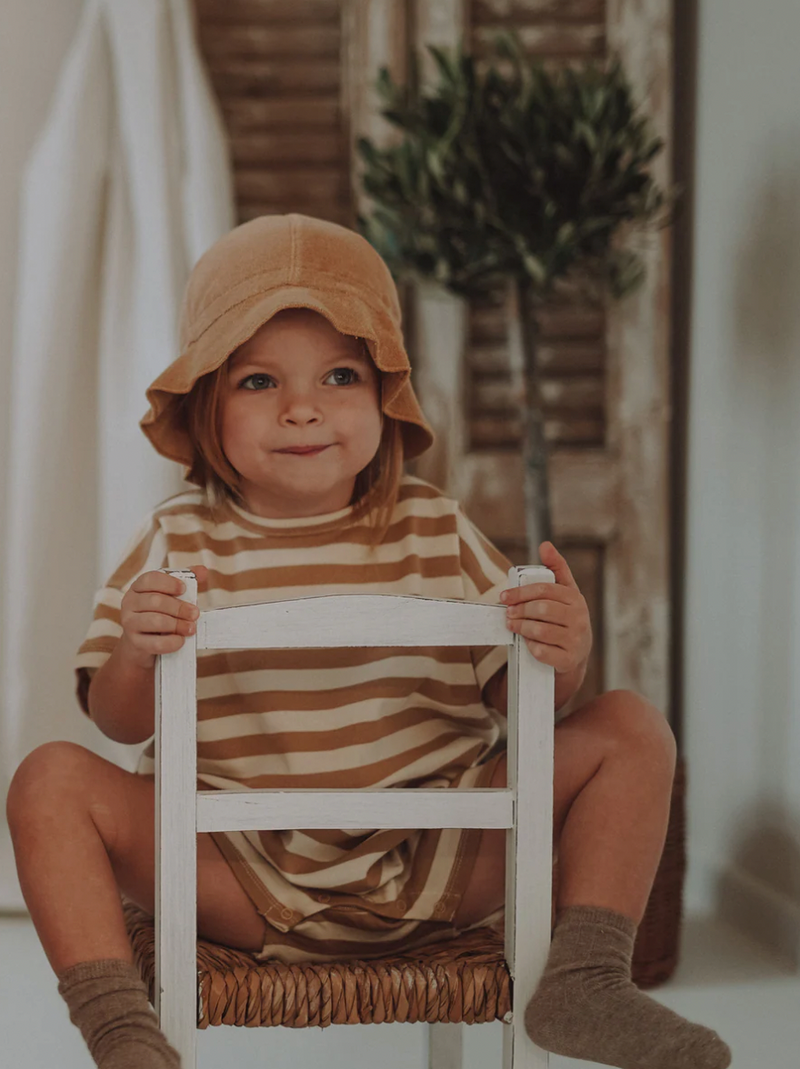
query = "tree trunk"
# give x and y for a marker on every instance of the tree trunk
(523, 341)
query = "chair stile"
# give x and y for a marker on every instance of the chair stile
(524, 807)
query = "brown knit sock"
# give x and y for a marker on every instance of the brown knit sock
(108, 1002)
(586, 1005)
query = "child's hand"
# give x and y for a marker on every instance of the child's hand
(154, 620)
(553, 618)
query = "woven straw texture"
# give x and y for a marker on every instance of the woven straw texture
(464, 981)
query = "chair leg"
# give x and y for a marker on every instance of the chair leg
(518, 1051)
(445, 1046)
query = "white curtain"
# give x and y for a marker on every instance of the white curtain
(128, 184)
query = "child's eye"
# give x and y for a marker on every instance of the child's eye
(255, 382)
(344, 376)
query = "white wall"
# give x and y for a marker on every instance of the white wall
(742, 620)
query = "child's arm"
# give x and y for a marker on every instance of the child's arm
(121, 695)
(566, 684)
(121, 698)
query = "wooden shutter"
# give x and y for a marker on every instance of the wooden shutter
(276, 68)
(606, 370)
(294, 79)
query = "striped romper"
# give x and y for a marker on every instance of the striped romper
(391, 717)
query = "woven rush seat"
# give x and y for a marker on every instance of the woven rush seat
(464, 980)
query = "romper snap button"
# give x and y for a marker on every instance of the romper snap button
(401, 905)
(322, 897)
(287, 914)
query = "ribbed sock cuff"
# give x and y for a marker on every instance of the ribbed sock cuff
(93, 970)
(573, 916)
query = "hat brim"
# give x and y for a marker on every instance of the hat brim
(237, 323)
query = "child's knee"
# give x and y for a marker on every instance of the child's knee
(636, 723)
(45, 779)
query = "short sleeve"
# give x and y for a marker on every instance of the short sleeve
(484, 570)
(146, 551)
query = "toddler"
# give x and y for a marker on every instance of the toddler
(292, 411)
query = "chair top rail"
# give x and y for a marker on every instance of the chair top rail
(354, 620)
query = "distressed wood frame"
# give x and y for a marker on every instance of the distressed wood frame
(524, 807)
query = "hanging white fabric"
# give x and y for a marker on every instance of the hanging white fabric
(128, 184)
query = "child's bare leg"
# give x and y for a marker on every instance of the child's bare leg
(614, 766)
(82, 830)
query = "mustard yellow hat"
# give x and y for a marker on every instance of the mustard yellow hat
(265, 265)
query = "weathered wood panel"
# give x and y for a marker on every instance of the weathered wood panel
(553, 42)
(606, 381)
(273, 41)
(573, 366)
(558, 32)
(639, 376)
(307, 117)
(522, 12)
(276, 67)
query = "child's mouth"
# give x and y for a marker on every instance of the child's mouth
(304, 450)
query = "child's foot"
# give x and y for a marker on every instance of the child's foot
(108, 1002)
(586, 1005)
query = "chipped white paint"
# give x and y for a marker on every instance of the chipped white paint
(524, 807)
(175, 912)
(352, 620)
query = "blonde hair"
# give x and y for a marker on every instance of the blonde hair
(376, 486)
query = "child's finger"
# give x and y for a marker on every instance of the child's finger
(557, 564)
(535, 631)
(156, 644)
(549, 655)
(158, 582)
(555, 612)
(201, 575)
(548, 591)
(152, 602)
(154, 623)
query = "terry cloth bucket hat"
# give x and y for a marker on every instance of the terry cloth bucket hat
(257, 269)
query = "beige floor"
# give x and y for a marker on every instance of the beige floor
(723, 980)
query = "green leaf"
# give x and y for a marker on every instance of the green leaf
(522, 170)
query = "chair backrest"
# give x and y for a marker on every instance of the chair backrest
(524, 807)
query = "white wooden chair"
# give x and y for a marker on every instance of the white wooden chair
(524, 807)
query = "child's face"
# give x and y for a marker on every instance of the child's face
(299, 382)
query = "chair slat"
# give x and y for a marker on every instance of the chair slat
(353, 620)
(529, 843)
(175, 788)
(354, 809)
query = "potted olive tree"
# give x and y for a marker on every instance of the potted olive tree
(527, 176)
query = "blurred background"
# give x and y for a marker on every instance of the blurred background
(133, 135)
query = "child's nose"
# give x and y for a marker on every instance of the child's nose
(300, 412)
(302, 418)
